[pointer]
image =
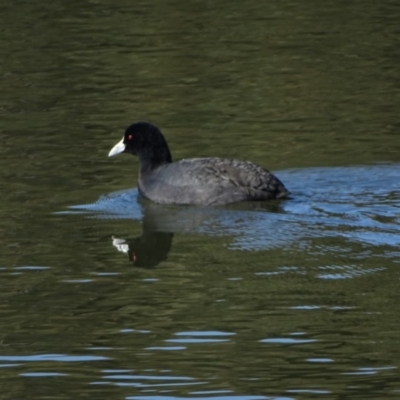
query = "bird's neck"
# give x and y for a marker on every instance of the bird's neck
(151, 159)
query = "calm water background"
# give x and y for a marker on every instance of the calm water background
(106, 297)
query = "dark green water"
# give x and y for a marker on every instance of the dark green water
(106, 297)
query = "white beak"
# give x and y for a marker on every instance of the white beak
(117, 149)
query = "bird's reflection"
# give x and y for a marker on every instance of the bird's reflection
(147, 250)
(160, 222)
(152, 247)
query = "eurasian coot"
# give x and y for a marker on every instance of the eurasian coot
(201, 181)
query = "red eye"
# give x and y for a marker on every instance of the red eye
(130, 137)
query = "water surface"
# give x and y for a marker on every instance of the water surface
(108, 296)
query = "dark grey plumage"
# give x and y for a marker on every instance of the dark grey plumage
(201, 181)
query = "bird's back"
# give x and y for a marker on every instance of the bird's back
(210, 181)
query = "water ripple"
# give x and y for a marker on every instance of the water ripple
(358, 204)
